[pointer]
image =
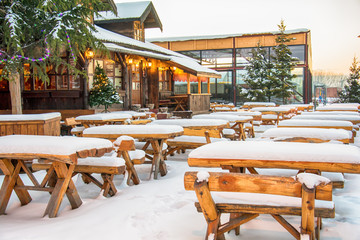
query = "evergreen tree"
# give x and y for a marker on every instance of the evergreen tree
(283, 64)
(34, 31)
(351, 92)
(103, 91)
(258, 76)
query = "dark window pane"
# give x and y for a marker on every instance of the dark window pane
(217, 58)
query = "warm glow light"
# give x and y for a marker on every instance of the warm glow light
(130, 60)
(149, 64)
(174, 68)
(89, 54)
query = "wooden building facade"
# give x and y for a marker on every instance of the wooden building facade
(228, 55)
(142, 73)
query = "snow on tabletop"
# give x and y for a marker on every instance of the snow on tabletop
(190, 122)
(202, 176)
(118, 141)
(132, 113)
(260, 103)
(227, 117)
(39, 144)
(320, 133)
(311, 180)
(238, 113)
(29, 117)
(329, 117)
(270, 109)
(331, 113)
(101, 161)
(195, 139)
(323, 123)
(278, 151)
(133, 129)
(338, 108)
(104, 116)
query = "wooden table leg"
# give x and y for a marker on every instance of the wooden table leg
(11, 180)
(63, 184)
(158, 158)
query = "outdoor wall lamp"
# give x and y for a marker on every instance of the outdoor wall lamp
(89, 54)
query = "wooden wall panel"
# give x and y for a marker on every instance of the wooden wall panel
(220, 43)
(49, 127)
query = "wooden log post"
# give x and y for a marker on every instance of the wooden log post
(209, 210)
(15, 93)
(308, 211)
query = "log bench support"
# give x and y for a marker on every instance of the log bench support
(242, 213)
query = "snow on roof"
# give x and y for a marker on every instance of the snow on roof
(320, 133)
(227, 117)
(29, 117)
(281, 151)
(104, 116)
(190, 122)
(133, 129)
(315, 123)
(185, 61)
(187, 38)
(116, 48)
(125, 10)
(54, 145)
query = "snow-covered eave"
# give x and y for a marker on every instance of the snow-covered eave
(116, 48)
(137, 47)
(188, 38)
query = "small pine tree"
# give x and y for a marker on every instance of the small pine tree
(351, 92)
(102, 92)
(283, 64)
(258, 76)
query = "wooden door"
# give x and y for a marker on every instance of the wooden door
(135, 94)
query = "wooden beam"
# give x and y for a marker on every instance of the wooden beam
(188, 83)
(199, 85)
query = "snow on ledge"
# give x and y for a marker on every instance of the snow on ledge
(29, 117)
(311, 180)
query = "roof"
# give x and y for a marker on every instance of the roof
(187, 38)
(119, 43)
(131, 11)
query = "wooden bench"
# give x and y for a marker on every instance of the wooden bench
(270, 118)
(194, 137)
(212, 205)
(107, 166)
(76, 127)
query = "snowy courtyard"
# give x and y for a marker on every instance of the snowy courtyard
(157, 209)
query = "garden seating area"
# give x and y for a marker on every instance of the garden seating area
(214, 165)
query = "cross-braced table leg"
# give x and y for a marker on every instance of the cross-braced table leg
(158, 158)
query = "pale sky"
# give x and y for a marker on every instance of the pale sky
(334, 24)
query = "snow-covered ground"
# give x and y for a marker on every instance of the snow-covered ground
(157, 209)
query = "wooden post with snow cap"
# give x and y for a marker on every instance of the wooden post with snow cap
(210, 212)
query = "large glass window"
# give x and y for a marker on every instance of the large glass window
(299, 84)
(221, 88)
(193, 54)
(217, 58)
(298, 52)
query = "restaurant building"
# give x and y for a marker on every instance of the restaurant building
(229, 54)
(142, 73)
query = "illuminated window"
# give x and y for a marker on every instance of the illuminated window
(139, 31)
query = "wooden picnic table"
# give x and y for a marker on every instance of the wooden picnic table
(261, 154)
(180, 100)
(103, 119)
(63, 153)
(154, 135)
(237, 123)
